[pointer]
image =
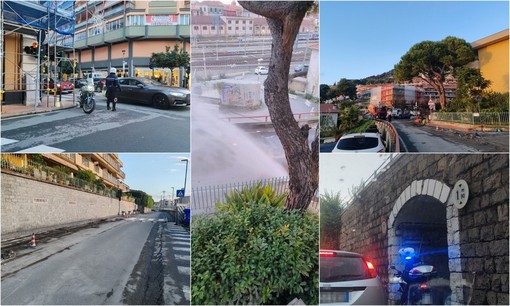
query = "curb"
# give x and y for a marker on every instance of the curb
(7, 115)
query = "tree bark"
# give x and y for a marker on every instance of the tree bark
(284, 19)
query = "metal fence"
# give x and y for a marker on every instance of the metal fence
(487, 119)
(204, 199)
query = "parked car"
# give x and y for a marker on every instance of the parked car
(150, 92)
(61, 86)
(372, 129)
(347, 278)
(78, 82)
(261, 70)
(99, 84)
(300, 68)
(360, 142)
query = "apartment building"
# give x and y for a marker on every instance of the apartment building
(493, 53)
(124, 34)
(107, 167)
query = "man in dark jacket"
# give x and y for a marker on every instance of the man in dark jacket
(112, 85)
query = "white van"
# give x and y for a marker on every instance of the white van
(94, 75)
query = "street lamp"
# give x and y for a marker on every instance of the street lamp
(163, 203)
(173, 194)
(123, 62)
(185, 174)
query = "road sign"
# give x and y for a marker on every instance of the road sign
(180, 193)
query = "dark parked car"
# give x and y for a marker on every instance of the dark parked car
(61, 86)
(99, 84)
(150, 92)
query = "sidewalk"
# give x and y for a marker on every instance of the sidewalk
(48, 104)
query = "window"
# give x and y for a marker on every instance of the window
(230, 21)
(204, 28)
(237, 28)
(244, 21)
(195, 27)
(213, 28)
(249, 22)
(184, 19)
(250, 28)
(85, 161)
(244, 28)
(135, 20)
(237, 21)
(229, 28)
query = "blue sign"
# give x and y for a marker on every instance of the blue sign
(180, 193)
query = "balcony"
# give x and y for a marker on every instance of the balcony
(114, 36)
(135, 31)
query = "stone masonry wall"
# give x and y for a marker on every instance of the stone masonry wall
(482, 232)
(30, 204)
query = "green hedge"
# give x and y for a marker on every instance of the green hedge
(261, 254)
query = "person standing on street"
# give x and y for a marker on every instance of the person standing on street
(112, 85)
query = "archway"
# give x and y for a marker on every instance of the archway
(423, 218)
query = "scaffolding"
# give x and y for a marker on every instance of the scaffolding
(49, 27)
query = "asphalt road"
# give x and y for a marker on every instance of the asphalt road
(132, 128)
(429, 139)
(97, 265)
(415, 138)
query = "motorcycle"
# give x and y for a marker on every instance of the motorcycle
(87, 101)
(419, 292)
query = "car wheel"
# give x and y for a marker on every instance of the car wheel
(159, 101)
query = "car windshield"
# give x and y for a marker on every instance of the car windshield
(342, 268)
(358, 143)
(152, 82)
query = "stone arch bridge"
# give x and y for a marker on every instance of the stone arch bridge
(416, 202)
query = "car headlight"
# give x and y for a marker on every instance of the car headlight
(177, 94)
(58, 85)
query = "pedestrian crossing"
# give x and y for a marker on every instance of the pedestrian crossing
(178, 245)
(153, 220)
(35, 149)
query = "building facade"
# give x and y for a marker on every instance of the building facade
(493, 54)
(124, 34)
(107, 167)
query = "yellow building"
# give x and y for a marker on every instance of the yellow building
(493, 54)
(104, 166)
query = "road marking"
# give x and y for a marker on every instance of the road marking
(402, 143)
(41, 149)
(184, 270)
(6, 141)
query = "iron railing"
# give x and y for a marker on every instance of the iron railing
(487, 119)
(204, 199)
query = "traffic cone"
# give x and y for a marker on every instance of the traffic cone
(32, 244)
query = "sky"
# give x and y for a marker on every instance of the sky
(361, 39)
(155, 172)
(341, 172)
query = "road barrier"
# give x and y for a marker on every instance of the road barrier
(32, 244)
(485, 119)
(389, 135)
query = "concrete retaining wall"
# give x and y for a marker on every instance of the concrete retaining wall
(30, 204)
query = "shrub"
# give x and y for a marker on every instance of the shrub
(260, 254)
(86, 175)
(257, 194)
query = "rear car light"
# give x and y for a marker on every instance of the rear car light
(371, 269)
(327, 254)
(424, 286)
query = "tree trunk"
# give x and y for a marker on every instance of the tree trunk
(284, 19)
